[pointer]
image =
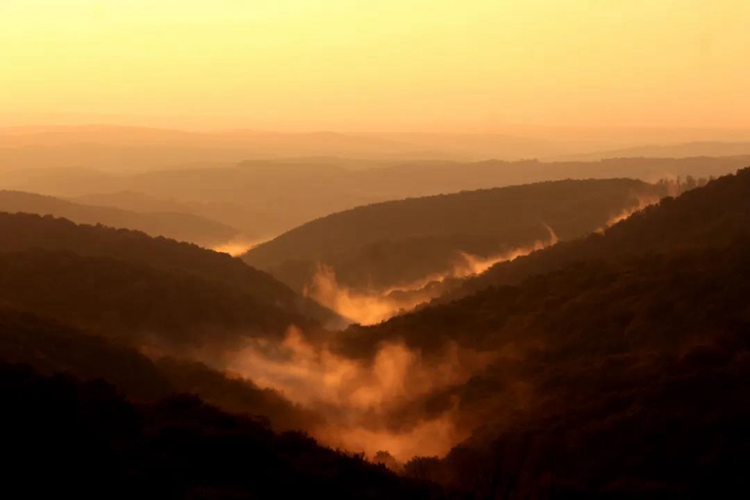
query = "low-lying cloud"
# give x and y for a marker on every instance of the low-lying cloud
(370, 306)
(359, 397)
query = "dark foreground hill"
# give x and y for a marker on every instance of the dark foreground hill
(178, 226)
(398, 242)
(83, 439)
(616, 377)
(51, 347)
(615, 380)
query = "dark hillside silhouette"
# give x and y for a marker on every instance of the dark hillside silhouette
(137, 303)
(634, 380)
(612, 378)
(27, 231)
(86, 440)
(615, 376)
(52, 347)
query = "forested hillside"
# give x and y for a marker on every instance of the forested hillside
(597, 363)
(52, 347)
(182, 261)
(395, 243)
(616, 372)
(96, 443)
(712, 216)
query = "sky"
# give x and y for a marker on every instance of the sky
(386, 65)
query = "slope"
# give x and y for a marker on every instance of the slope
(178, 226)
(26, 231)
(277, 194)
(617, 379)
(396, 243)
(86, 440)
(713, 215)
(617, 369)
(52, 347)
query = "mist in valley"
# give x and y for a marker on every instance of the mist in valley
(402, 250)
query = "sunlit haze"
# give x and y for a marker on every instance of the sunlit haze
(384, 249)
(391, 65)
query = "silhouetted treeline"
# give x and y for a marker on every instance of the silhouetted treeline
(63, 437)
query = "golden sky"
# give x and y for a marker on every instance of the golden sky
(385, 65)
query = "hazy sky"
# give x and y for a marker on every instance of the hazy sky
(448, 65)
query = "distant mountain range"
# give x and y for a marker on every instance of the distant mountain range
(264, 198)
(684, 150)
(132, 149)
(174, 225)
